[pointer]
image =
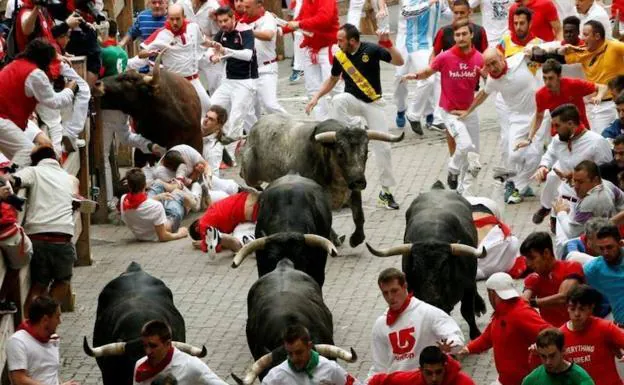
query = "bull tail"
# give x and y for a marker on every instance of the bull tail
(479, 305)
(438, 185)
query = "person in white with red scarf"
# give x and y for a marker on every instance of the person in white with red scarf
(407, 327)
(181, 44)
(164, 359)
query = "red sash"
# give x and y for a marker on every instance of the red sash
(492, 220)
(30, 329)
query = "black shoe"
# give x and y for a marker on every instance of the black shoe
(387, 200)
(452, 181)
(416, 127)
(540, 214)
(7, 307)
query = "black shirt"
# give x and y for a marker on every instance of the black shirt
(609, 171)
(366, 60)
(239, 40)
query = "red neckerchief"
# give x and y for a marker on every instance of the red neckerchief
(393, 315)
(521, 42)
(146, 371)
(180, 32)
(458, 52)
(579, 130)
(503, 72)
(246, 19)
(133, 200)
(492, 220)
(30, 329)
(109, 43)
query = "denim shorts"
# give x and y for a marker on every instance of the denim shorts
(174, 208)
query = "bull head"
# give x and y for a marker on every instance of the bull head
(264, 362)
(457, 249)
(330, 137)
(119, 348)
(311, 240)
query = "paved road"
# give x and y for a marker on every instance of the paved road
(212, 296)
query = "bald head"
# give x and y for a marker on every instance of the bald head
(175, 16)
(494, 61)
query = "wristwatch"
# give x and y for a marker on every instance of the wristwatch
(533, 302)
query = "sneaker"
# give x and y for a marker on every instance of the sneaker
(429, 120)
(387, 200)
(502, 174)
(452, 180)
(212, 240)
(246, 239)
(474, 166)
(416, 127)
(527, 192)
(512, 195)
(7, 307)
(440, 127)
(296, 75)
(539, 215)
(400, 119)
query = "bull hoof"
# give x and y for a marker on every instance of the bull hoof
(356, 239)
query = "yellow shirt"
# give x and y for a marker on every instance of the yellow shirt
(600, 65)
(509, 48)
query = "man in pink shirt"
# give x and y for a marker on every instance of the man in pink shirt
(460, 68)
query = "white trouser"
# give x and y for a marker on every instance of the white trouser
(600, 115)
(221, 188)
(316, 72)
(466, 135)
(523, 161)
(204, 99)
(266, 91)
(210, 74)
(298, 52)
(502, 112)
(14, 143)
(76, 123)
(212, 152)
(554, 188)
(116, 122)
(423, 102)
(437, 90)
(355, 12)
(236, 96)
(346, 105)
(245, 229)
(501, 253)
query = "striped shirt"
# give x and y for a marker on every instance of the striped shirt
(145, 24)
(418, 24)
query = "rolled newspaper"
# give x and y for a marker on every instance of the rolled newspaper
(283, 23)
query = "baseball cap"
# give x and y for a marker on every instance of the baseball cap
(502, 284)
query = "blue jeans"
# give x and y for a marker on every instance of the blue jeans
(174, 208)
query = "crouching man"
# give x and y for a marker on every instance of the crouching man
(164, 359)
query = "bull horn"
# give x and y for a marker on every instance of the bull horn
(326, 137)
(248, 249)
(384, 136)
(113, 349)
(394, 250)
(331, 351)
(190, 349)
(314, 240)
(148, 79)
(258, 367)
(156, 72)
(461, 250)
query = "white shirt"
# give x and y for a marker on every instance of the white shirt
(326, 372)
(50, 197)
(181, 56)
(38, 85)
(565, 8)
(265, 50)
(495, 15)
(40, 361)
(598, 13)
(142, 220)
(517, 87)
(188, 370)
(202, 17)
(590, 146)
(398, 347)
(190, 156)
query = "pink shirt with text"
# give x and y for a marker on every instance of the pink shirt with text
(460, 75)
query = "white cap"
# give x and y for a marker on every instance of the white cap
(502, 284)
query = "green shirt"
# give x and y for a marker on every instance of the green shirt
(114, 60)
(574, 375)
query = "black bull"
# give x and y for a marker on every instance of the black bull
(125, 304)
(281, 298)
(440, 255)
(330, 153)
(294, 221)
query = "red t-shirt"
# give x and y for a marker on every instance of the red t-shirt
(594, 349)
(571, 91)
(615, 6)
(544, 12)
(546, 286)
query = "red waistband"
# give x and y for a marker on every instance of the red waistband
(192, 77)
(51, 237)
(269, 62)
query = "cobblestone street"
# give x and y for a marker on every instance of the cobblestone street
(212, 296)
